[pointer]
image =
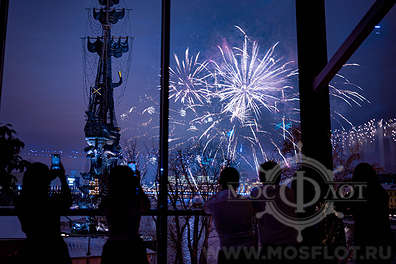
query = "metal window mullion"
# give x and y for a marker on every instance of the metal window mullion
(314, 104)
(4, 4)
(162, 224)
(376, 13)
(312, 58)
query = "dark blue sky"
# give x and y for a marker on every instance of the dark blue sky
(43, 82)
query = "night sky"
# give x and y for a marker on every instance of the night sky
(43, 78)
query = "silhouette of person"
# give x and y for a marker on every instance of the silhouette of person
(123, 207)
(233, 218)
(372, 232)
(39, 213)
(271, 232)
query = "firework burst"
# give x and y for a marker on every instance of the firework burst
(240, 106)
(188, 81)
(247, 83)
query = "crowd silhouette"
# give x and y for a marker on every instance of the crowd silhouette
(241, 223)
(373, 240)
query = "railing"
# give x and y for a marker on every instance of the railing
(10, 211)
(150, 244)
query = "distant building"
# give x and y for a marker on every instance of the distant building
(375, 141)
(391, 190)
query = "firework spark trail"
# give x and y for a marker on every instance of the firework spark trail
(188, 80)
(247, 83)
(350, 97)
(280, 153)
(346, 95)
(342, 118)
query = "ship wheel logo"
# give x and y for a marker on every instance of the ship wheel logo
(299, 205)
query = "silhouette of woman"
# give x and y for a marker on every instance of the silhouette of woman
(39, 214)
(372, 226)
(123, 207)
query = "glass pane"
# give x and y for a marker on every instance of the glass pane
(60, 63)
(58, 95)
(362, 111)
(233, 102)
(237, 111)
(361, 105)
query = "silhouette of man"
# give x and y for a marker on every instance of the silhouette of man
(39, 214)
(232, 218)
(271, 232)
(123, 207)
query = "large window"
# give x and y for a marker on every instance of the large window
(233, 101)
(362, 109)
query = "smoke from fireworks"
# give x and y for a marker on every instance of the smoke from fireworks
(222, 104)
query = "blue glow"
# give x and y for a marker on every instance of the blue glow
(280, 125)
(207, 161)
(71, 181)
(230, 133)
(377, 29)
